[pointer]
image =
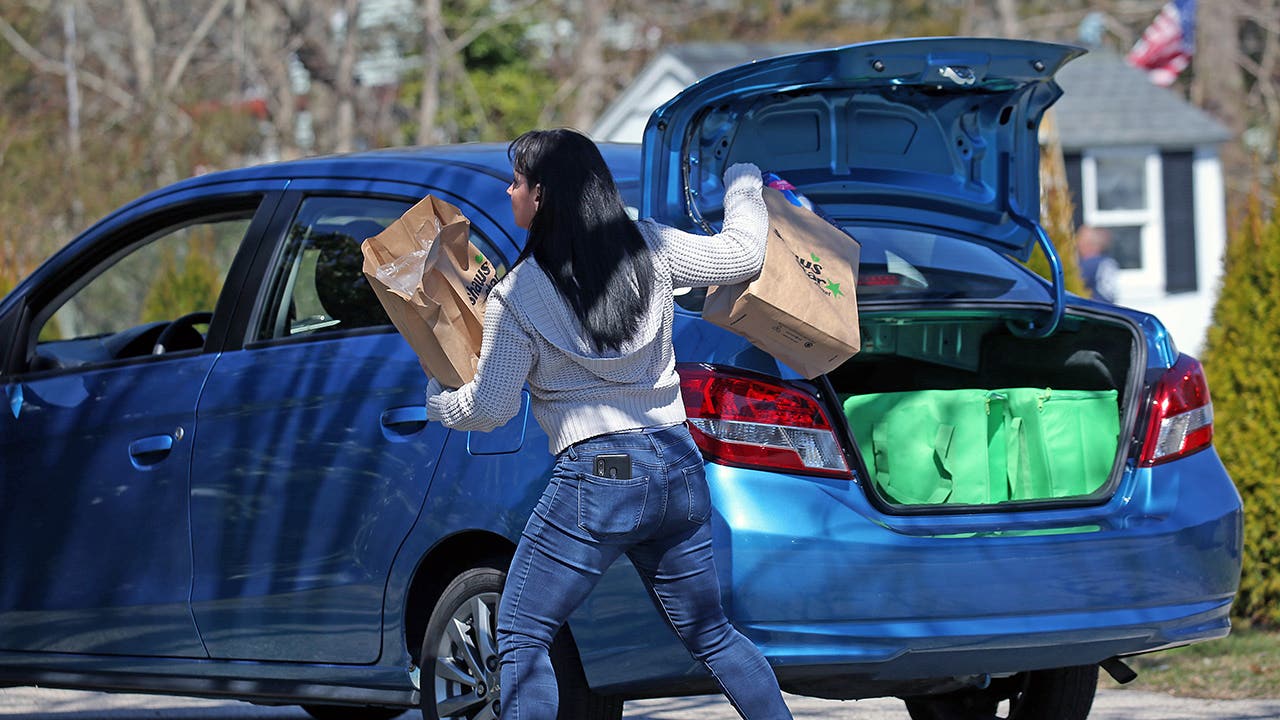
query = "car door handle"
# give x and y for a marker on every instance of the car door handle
(150, 450)
(405, 420)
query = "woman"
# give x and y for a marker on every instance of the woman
(584, 316)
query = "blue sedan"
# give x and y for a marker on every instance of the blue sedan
(217, 477)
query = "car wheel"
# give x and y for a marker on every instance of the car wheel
(350, 712)
(1060, 694)
(460, 657)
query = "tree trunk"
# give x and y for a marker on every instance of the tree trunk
(1218, 82)
(266, 33)
(1218, 86)
(142, 46)
(345, 82)
(70, 50)
(1009, 24)
(589, 64)
(429, 104)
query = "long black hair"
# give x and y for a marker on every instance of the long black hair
(581, 235)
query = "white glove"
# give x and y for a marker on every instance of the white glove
(746, 173)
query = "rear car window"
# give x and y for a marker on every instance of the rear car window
(318, 285)
(913, 264)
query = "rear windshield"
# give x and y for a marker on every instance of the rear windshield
(914, 264)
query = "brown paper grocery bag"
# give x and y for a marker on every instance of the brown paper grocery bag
(433, 281)
(801, 309)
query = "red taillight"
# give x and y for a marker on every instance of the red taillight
(1181, 414)
(756, 421)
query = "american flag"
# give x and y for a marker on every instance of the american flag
(1166, 46)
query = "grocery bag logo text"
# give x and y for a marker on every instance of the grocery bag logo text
(812, 267)
(482, 282)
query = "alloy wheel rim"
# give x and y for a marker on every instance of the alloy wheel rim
(466, 669)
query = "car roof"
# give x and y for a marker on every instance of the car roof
(405, 164)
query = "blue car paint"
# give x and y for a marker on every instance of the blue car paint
(817, 576)
(96, 555)
(301, 496)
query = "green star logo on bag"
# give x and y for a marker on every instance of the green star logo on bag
(812, 268)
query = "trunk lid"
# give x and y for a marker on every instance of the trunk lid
(938, 132)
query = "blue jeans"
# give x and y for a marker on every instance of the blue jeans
(660, 519)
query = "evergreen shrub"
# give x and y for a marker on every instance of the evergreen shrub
(1242, 363)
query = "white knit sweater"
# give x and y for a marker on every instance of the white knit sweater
(532, 335)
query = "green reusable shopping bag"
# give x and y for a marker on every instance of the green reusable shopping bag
(926, 447)
(1062, 443)
(974, 446)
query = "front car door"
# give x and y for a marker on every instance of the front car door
(95, 442)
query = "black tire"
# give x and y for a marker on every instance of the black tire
(352, 712)
(460, 657)
(1059, 694)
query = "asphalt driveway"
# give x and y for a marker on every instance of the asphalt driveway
(42, 704)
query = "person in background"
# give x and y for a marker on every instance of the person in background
(585, 318)
(1099, 270)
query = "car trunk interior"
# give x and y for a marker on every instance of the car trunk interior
(958, 409)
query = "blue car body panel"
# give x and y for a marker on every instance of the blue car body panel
(93, 512)
(819, 577)
(294, 442)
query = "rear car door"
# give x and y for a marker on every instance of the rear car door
(315, 455)
(95, 444)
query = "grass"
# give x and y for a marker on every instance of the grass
(1245, 664)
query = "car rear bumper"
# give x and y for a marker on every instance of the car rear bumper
(839, 594)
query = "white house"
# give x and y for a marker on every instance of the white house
(1141, 162)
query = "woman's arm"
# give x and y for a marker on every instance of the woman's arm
(493, 396)
(734, 254)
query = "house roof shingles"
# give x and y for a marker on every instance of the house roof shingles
(1108, 102)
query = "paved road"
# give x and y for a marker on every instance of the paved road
(38, 704)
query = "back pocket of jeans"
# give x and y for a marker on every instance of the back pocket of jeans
(695, 480)
(609, 506)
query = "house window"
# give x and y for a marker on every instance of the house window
(1121, 192)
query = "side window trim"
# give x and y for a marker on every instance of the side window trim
(250, 271)
(70, 279)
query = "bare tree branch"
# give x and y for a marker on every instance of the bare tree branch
(142, 43)
(53, 67)
(487, 23)
(215, 11)
(1268, 92)
(1265, 21)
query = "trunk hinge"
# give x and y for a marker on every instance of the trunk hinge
(1042, 328)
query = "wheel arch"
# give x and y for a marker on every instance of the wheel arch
(436, 570)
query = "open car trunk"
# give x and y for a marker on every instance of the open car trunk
(927, 152)
(952, 410)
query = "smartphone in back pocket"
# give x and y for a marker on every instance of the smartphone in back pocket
(617, 467)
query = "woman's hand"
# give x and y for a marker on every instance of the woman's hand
(745, 173)
(434, 389)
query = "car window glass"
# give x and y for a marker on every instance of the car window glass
(124, 308)
(901, 262)
(318, 285)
